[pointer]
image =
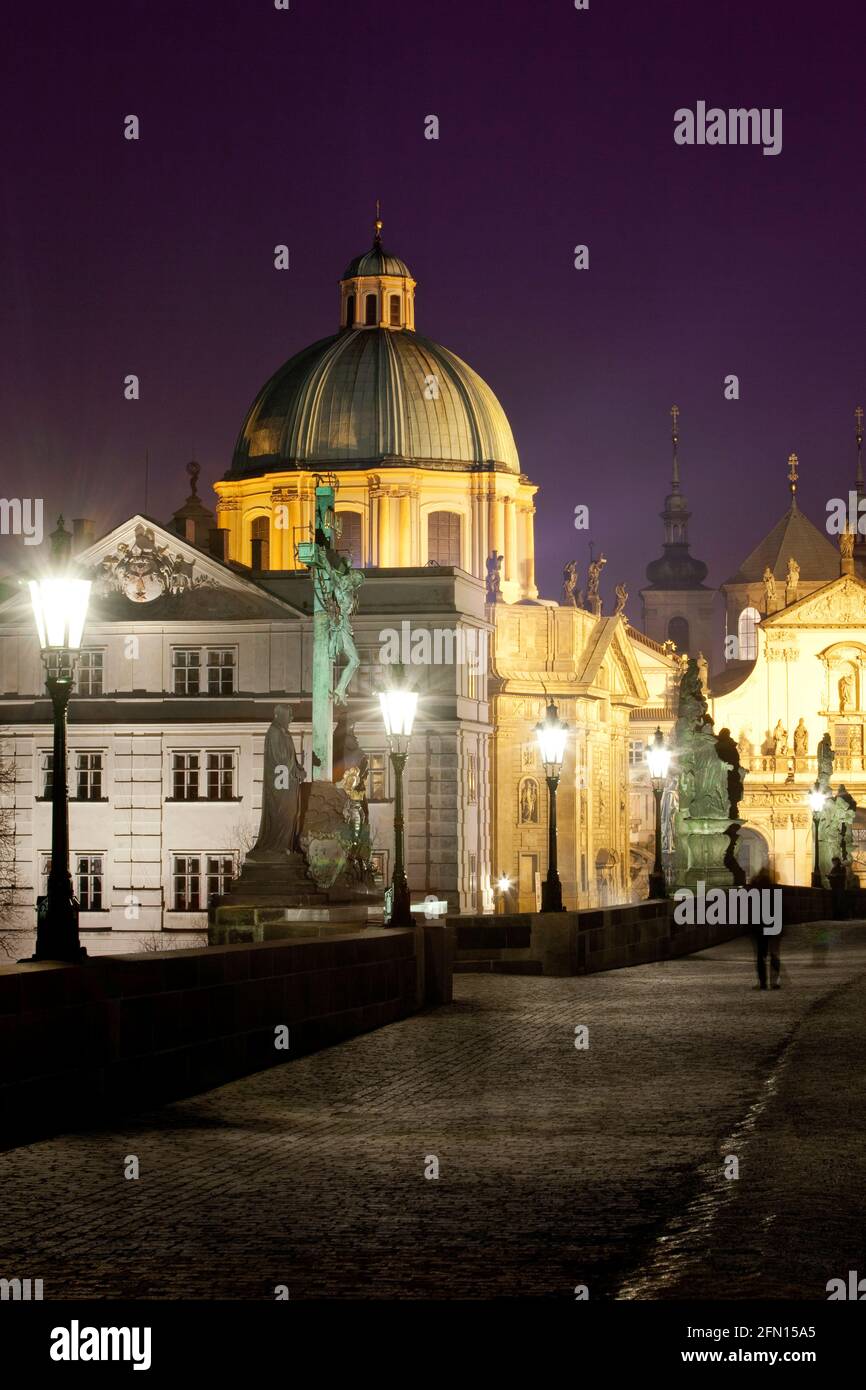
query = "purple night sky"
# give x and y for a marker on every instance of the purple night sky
(260, 127)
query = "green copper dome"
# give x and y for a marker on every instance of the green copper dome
(375, 396)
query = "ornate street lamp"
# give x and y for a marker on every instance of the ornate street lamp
(60, 609)
(398, 707)
(551, 734)
(503, 884)
(817, 798)
(658, 758)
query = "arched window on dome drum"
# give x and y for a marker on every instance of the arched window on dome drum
(350, 311)
(349, 543)
(394, 319)
(443, 538)
(678, 631)
(747, 633)
(260, 531)
(370, 311)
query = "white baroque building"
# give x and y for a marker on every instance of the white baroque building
(174, 693)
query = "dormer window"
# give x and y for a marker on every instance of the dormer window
(370, 311)
(350, 311)
(394, 316)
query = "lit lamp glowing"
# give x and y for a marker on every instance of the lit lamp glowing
(60, 609)
(658, 758)
(817, 799)
(398, 706)
(503, 884)
(551, 734)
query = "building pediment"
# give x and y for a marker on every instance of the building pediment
(140, 571)
(841, 603)
(608, 660)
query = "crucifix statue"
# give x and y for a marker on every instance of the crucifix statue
(335, 599)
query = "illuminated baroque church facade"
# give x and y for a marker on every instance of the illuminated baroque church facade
(792, 620)
(198, 627)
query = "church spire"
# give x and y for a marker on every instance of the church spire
(676, 569)
(793, 476)
(377, 229)
(675, 441)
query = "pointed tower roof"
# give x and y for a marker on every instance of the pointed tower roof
(793, 536)
(676, 568)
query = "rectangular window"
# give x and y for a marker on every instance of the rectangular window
(379, 865)
(473, 877)
(185, 772)
(59, 664)
(220, 671)
(472, 778)
(88, 776)
(90, 673)
(186, 876)
(377, 780)
(635, 752)
(220, 872)
(186, 668)
(220, 776)
(88, 882)
(48, 774)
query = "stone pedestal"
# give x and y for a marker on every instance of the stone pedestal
(315, 893)
(708, 844)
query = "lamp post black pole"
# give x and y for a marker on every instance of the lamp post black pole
(657, 885)
(551, 889)
(401, 915)
(57, 912)
(816, 870)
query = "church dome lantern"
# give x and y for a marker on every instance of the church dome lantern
(377, 289)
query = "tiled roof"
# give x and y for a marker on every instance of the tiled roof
(793, 536)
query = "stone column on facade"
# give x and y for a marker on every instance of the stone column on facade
(476, 558)
(496, 525)
(529, 587)
(373, 514)
(385, 556)
(405, 541)
(294, 526)
(512, 550)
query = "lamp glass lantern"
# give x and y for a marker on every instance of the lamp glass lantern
(817, 798)
(60, 609)
(551, 734)
(658, 757)
(398, 707)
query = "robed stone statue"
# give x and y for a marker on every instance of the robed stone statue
(281, 790)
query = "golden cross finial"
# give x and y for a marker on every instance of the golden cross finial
(858, 416)
(675, 415)
(378, 222)
(793, 474)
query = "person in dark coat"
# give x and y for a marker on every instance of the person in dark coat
(766, 946)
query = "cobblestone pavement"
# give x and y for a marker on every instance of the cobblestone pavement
(557, 1166)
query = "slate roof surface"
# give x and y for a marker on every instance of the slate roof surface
(794, 535)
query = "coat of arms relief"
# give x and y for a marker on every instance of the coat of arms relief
(143, 570)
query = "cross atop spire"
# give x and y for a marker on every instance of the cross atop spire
(675, 439)
(793, 475)
(858, 416)
(377, 226)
